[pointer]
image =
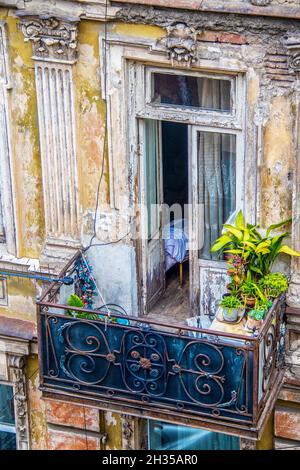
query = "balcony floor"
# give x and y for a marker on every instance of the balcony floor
(173, 306)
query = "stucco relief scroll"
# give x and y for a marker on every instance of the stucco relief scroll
(51, 38)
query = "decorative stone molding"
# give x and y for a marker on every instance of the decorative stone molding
(181, 42)
(15, 338)
(293, 46)
(127, 432)
(54, 43)
(54, 86)
(293, 295)
(247, 444)
(53, 39)
(16, 365)
(260, 3)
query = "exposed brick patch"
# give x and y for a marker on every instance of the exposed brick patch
(65, 440)
(76, 416)
(287, 423)
(232, 38)
(277, 68)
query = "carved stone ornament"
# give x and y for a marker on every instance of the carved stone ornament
(127, 432)
(261, 3)
(293, 46)
(181, 42)
(16, 364)
(52, 39)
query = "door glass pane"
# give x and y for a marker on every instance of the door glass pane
(151, 176)
(8, 440)
(164, 436)
(217, 186)
(197, 92)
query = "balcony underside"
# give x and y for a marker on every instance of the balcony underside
(165, 415)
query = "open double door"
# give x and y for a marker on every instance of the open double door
(209, 157)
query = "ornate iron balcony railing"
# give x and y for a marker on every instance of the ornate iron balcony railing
(175, 373)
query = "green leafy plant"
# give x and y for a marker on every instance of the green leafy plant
(248, 289)
(257, 251)
(230, 302)
(274, 284)
(257, 315)
(75, 301)
(251, 289)
(261, 308)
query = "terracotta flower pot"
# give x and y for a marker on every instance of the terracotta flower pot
(250, 301)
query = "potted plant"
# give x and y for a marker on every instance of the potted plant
(75, 301)
(274, 284)
(248, 293)
(256, 316)
(255, 319)
(231, 308)
(257, 250)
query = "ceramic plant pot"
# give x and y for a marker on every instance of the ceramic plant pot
(230, 314)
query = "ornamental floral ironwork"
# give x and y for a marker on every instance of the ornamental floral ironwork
(178, 373)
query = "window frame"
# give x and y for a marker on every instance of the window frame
(240, 171)
(195, 109)
(223, 119)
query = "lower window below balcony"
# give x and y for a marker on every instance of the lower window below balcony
(165, 436)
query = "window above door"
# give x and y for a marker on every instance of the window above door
(206, 93)
(200, 98)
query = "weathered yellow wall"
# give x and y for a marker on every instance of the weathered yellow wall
(90, 116)
(276, 171)
(90, 110)
(26, 166)
(37, 407)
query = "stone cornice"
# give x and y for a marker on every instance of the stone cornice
(95, 9)
(243, 7)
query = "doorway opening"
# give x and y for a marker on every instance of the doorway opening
(173, 161)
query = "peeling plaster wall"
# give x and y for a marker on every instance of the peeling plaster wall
(90, 110)
(26, 167)
(276, 170)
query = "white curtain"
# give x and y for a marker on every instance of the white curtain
(217, 170)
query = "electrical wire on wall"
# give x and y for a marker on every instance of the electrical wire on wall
(105, 137)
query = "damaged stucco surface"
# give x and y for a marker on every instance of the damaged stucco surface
(270, 114)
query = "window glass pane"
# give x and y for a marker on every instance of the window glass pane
(197, 92)
(164, 436)
(7, 414)
(8, 440)
(7, 418)
(151, 176)
(217, 186)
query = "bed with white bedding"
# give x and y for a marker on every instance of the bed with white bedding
(175, 235)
